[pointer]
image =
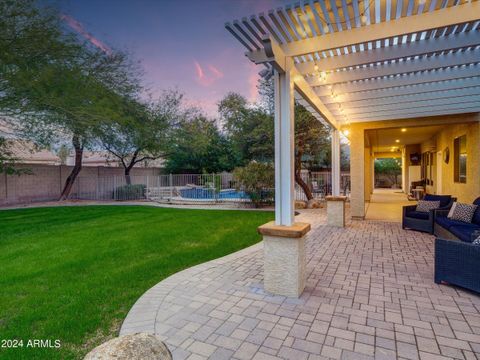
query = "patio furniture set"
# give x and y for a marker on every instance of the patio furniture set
(457, 230)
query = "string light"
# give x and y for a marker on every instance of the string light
(363, 19)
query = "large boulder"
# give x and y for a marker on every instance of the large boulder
(314, 204)
(299, 204)
(140, 346)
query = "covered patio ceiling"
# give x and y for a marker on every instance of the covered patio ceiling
(357, 61)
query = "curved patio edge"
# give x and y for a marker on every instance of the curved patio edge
(142, 315)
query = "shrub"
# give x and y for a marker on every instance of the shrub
(130, 192)
(258, 181)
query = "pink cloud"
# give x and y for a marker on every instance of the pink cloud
(206, 79)
(79, 28)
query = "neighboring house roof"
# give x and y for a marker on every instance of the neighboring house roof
(28, 153)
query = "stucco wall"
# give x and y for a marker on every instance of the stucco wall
(45, 183)
(471, 189)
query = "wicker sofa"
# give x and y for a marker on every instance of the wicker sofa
(456, 263)
(449, 229)
(424, 221)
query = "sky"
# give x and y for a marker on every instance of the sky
(181, 43)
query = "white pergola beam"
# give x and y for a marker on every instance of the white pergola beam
(400, 51)
(401, 99)
(429, 111)
(403, 67)
(419, 114)
(406, 90)
(402, 80)
(441, 18)
(405, 105)
(272, 53)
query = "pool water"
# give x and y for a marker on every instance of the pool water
(203, 193)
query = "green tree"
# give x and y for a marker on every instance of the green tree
(67, 87)
(249, 128)
(311, 138)
(389, 167)
(257, 180)
(197, 146)
(142, 133)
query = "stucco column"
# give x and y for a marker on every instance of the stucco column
(284, 258)
(357, 171)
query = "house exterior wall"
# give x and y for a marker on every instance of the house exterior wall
(457, 125)
(465, 192)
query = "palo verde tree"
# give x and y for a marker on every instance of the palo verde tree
(63, 91)
(143, 131)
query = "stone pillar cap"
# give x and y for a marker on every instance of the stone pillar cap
(297, 230)
(335, 198)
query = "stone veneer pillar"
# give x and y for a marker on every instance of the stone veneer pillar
(336, 210)
(284, 258)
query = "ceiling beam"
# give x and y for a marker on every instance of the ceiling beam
(406, 90)
(403, 67)
(441, 18)
(401, 106)
(427, 96)
(402, 80)
(446, 110)
(378, 55)
(273, 54)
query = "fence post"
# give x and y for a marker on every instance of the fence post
(170, 180)
(114, 187)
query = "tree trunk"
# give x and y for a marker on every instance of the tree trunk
(129, 167)
(298, 176)
(77, 167)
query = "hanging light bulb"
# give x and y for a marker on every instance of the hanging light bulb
(364, 19)
(315, 67)
(326, 28)
(422, 2)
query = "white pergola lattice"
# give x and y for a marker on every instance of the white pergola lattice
(363, 60)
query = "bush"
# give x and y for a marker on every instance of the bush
(258, 182)
(130, 192)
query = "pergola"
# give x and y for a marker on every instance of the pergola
(352, 61)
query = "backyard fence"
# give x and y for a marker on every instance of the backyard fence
(107, 184)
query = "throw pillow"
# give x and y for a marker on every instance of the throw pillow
(452, 210)
(476, 241)
(426, 206)
(463, 212)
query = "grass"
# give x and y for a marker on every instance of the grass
(73, 273)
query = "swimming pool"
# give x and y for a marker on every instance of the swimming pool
(205, 193)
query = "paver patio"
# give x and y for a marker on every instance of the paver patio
(370, 295)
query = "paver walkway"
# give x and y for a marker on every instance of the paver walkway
(370, 295)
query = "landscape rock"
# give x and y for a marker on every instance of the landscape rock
(140, 346)
(314, 204)
(299, 204)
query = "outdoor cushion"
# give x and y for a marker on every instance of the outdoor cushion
(462, 212)
(423, 215)
(447, 223)
(463, 232)
(476, 216)
(476, 241)
(426, 206)
(444, 199)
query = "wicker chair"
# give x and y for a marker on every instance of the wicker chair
(424, 221)
(456, 263)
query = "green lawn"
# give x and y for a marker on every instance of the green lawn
(72, 273)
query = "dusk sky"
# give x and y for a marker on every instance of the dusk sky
(181, 44)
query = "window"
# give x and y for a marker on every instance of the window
(460, 159)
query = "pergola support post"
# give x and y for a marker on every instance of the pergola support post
(335, 162)
(284, 149)
(284, 239)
